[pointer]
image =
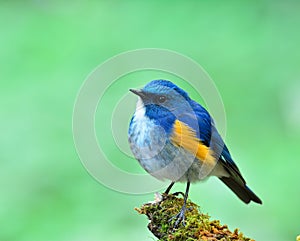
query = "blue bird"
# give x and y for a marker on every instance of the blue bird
(175, 138)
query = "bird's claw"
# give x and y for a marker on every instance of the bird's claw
(180, 218)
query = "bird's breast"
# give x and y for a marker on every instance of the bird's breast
(146, 138)
(157, 154)
(166, 156)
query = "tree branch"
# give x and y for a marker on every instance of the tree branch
(198, 225)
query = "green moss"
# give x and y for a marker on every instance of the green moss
(198, 225)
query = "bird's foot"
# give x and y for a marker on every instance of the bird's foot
(180, 217)
(174, 194)
(177, 193)
(165, 195)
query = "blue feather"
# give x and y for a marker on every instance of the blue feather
(161, 116)
(198, 119)
(157, 85)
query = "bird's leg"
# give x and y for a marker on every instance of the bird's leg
(169, 188)
(181, 215)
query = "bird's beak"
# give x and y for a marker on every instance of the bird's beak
(140, 93)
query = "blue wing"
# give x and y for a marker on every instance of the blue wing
(205, 130)
(200, 121)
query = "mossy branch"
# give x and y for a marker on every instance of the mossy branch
(198, 225)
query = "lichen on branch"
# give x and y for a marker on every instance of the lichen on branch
(198, 226)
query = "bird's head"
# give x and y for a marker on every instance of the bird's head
(162, 101)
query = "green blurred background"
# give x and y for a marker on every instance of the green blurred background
(251, 51)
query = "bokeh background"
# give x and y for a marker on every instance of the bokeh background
(47, 49)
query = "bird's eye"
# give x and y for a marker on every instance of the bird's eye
(161, 99)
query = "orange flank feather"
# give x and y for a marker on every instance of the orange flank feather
(185, 137)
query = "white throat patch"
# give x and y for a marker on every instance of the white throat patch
(140, 109)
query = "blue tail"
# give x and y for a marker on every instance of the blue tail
(241, 190)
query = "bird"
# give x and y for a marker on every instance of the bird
(175, 138)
